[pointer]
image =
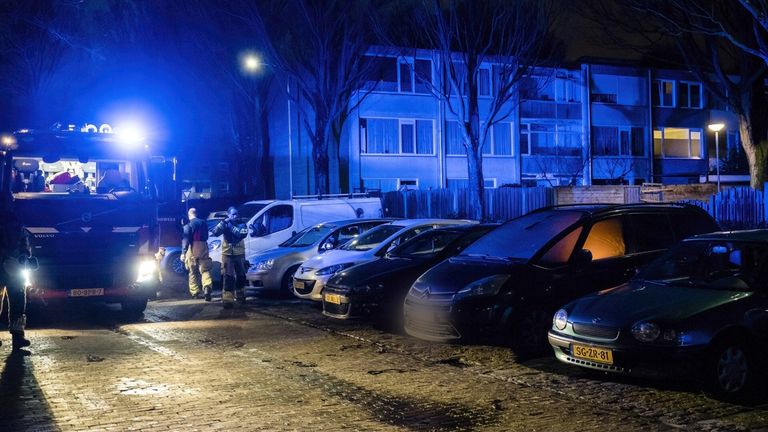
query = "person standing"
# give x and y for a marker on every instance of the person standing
(16, 259)
(194, 255)
(233, 231)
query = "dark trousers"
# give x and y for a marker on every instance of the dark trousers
(14, 293)
(233, 270)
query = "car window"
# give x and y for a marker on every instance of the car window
(309, 236)
(652, 232)
(348, 233)
(372, 238)
(711, 264)
(561, 251)
(606, 239)
(426, 245)
(276, 219)
(523, 237)
(687, 224)
(246, 211)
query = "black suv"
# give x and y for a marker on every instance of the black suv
(515, 277)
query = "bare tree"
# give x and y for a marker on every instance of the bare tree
(466, 37)
(320, 47)
(722, 43)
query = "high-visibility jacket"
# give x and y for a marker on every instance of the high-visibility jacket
(233, 233)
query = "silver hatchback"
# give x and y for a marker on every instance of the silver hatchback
(273, 269)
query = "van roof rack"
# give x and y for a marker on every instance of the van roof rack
(326, 196)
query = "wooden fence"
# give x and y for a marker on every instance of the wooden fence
(736, 208)
(502, 203)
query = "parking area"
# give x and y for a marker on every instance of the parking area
(278, 364)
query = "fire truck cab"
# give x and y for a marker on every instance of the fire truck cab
(86, 199)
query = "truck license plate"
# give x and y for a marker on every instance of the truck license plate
(86, 292)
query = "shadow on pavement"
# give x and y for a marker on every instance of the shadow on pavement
(23, 403)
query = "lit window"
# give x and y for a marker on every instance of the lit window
(664, 93)
(677, 143)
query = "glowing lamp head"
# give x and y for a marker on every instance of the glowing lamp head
(8, 142)
(251, 63)
(716, 127)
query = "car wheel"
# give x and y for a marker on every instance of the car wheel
(288, 281)
(134, 308)
(529, 333)
(731, 374)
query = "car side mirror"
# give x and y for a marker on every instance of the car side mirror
(582, 257)
(328, 245)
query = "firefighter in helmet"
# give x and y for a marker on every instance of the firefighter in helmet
(194, 255)
(233, 230)
(17, 262)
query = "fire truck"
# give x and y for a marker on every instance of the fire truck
(88, 199)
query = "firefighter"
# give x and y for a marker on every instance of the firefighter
(17, 261)
(233, 230)
(194, 255)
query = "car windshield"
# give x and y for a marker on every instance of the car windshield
(425, 245)
(371, 239)
(710, 264)
(309, 236)
(246, 211)
(521, 238)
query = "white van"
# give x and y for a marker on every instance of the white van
(271, 222)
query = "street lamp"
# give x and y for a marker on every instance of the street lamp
(716, 128)
(251, 63)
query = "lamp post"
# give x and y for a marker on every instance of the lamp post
(716, 128)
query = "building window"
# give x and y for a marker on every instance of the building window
(499, 142)
(618, 141)
(484, 82)
(548, 139)
(405, 75)
(407, 184)
(537, 88)
(664, 93)
(689, 95)
(396, 136)
(488, 183)
(677, 143)
(605, 89)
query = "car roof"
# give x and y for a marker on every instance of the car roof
(409, 222)
(758, 235)
(468, 227)
(339, 223)
(599, 208)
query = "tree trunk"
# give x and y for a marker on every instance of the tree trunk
(756, 153)
(476, 208)
(320, 160)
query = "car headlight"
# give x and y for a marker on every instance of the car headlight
(263, 265)
(26, 276)
(560, 319)
(646, 331)
(325, 271)
(214, 245)
(486, 286)
(147, 271)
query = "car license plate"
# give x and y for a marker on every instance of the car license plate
(333, 298)
(599, 355)
(298, 285)
(86, 292)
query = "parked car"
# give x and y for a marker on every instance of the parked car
(700, 308)
(272, 222)
(380, 286)
(309, 280)
(513, 279)
(273, 269)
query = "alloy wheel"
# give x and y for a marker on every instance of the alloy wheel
(732, 369)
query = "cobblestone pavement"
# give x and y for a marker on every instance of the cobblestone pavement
(281, 365)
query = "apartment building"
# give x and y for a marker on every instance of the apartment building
(594, 123)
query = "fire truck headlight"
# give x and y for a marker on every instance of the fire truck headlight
(26, 276)
(147, 271)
